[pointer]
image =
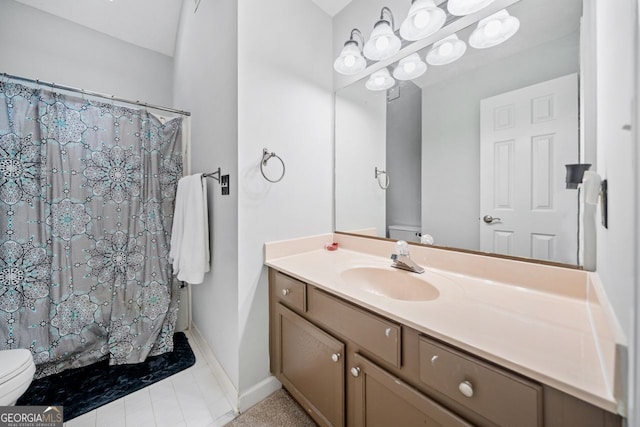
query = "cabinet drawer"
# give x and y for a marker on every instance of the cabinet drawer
(290, 292)
(382, 400)
(374, 334)
(497, 395)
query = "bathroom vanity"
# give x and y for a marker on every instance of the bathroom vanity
(357, 355)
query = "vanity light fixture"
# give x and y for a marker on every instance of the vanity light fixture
(380, 80)
(466, 7)
(383, 43)
(446, 51)
(351, 60)
(494, 29)
(410, 67)
(424, 19)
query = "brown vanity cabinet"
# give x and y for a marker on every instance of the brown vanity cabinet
(383, 400)
(349, 366)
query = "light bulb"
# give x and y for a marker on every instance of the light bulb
(421, 19)
(349, 60)
(492, 28)
(379, 81)
(445, 49)
(382, 43)
(409, 67)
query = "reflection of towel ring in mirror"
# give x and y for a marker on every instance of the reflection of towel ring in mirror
(266, 155)
(386, 180)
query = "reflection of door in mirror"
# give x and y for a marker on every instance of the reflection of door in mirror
(527, 136)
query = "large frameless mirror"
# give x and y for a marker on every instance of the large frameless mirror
(471, 154)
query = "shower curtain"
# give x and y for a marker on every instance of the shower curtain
(86, 203)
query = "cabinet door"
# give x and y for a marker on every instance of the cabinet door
(382, 400)
(311, 366)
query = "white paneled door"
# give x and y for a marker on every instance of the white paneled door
(527, 137)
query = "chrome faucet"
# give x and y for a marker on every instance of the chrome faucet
(402, 260)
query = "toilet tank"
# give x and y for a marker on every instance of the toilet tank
(408, 233)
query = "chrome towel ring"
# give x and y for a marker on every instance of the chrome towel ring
(386, 180)
(266, 155)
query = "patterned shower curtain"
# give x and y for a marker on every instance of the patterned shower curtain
(86, 202)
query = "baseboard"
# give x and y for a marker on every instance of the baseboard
(225, 382)
(258, 392)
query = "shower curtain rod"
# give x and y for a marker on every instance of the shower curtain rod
(96, 94)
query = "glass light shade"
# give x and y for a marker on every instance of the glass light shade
(410, 67)
(380, 80)
(424, 18)
(494, 29)
(466, 7)
(383, 43)
(350, 60)
(446, 51)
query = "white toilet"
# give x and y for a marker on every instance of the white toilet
(404, 232)
(16, 373)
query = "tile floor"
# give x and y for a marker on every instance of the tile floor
(190, 398)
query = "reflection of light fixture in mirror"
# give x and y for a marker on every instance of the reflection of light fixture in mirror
(380, 80)
(383, 43)
(424, 18)
(351, 60)
(466, 7)
(410, 67)
(446, 50)
(494, 29)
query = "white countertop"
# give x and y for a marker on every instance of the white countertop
(544, 336)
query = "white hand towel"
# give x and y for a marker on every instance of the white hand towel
(190, 232)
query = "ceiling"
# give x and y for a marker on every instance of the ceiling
(331, 7)
(152, 24)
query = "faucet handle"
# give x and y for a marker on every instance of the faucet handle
(402, 248)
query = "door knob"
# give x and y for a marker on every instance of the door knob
(335, 357)
(355, 371)
(489, 219)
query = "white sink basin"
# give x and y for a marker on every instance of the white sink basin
(391, 283)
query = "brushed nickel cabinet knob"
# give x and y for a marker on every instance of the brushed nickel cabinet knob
(466, 388)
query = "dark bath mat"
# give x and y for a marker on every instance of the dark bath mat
(84, 389)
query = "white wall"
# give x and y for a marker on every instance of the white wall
(41, 46)
(634, 377)
(360, 147)
(206, 84)
(617, 255)
(285, 104)
(247, 89)
(451, 130)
